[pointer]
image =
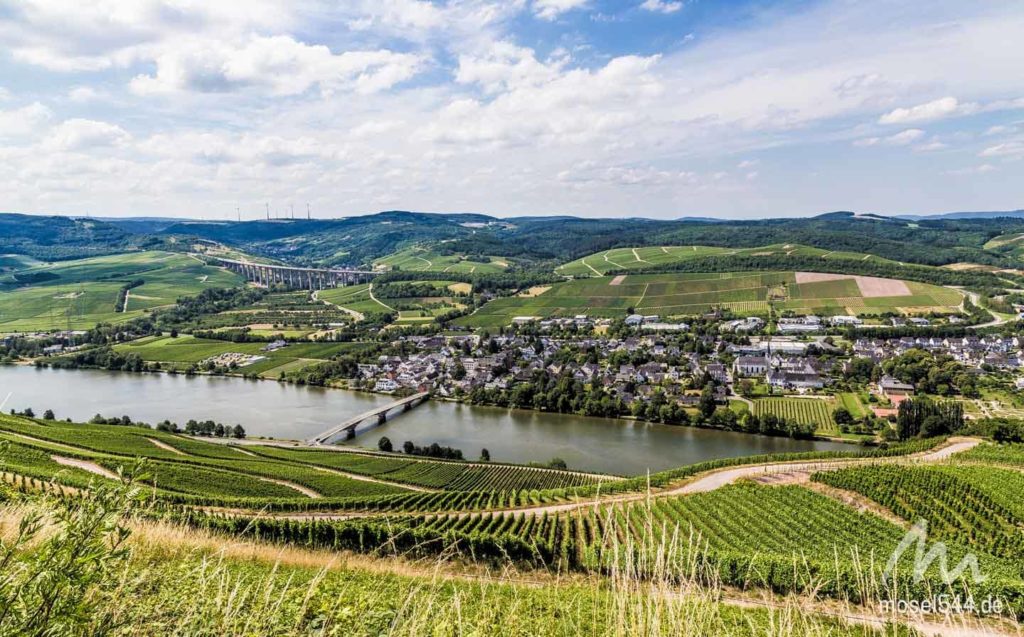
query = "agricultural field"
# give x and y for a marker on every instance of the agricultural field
(785, 538)
(184, 466)
(184, 351)
(425, 260)
(450, 476)
(80, 293)
(295, 315)
(624, 259)
(803, 410)
(978, 506)
(432, 299)
(744, 293)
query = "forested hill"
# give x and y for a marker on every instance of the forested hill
(56, 238)
(360, 240)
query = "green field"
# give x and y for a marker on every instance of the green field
(803, 410)
(688, 294)
(425, 260)
(619, 259)
(83, 292)
(183, 351)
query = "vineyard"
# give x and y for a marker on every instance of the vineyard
(185, 469)
(784, 538)
(451, 476)
(1006, 454)
(802, 410)
(978, 506)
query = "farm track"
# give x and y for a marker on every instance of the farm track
(358, 316)
(167, 447)
(84, 465)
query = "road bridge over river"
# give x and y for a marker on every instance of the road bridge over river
(381, 413)
(308, 278)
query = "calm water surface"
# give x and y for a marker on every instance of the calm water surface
(267, 408)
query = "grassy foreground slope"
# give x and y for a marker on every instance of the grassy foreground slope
(424, 260)
(744, 293)
(83, 292)
(164, 579)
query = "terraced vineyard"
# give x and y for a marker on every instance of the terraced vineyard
(1006, 453)
(802, 410)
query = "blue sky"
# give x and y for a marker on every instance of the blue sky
(659, 108)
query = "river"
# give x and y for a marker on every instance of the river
(268, 408)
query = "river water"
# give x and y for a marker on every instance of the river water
(268, 408)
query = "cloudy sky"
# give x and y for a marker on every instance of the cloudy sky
(658, 108)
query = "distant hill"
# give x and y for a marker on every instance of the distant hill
(361, 240)
(1012, 214)
(57, 238)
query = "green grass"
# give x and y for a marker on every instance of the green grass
(803, 410)
(84, 292)
(853, 404)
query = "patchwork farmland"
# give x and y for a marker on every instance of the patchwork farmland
(620, 259)
(83, 292)
(744, 293)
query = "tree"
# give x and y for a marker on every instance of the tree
(557, 463)
(408, 447)
(842, 416)
(485, 455)
(746, 388)
(238, 431)
(384, 444)
(174, 332)
(28, 412)
(48, 415)
(706, 405)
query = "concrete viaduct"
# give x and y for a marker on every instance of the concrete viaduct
(308, 278)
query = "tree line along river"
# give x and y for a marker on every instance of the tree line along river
(281, 410)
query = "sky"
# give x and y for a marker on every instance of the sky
(594, 108)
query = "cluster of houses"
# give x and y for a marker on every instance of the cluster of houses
(1000, 352)
(784, 372)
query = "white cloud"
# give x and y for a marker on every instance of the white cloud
(904, 138)
(972, 170)
(83, 94)
(84, 134)
(551, 9)
(1013, 149)
(748, 163)
(279, 63)
(662, 6)
(946, 107)
(24, 121)
(937, 109)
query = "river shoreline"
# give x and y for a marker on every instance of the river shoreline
(347, 388)
(285, 411)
